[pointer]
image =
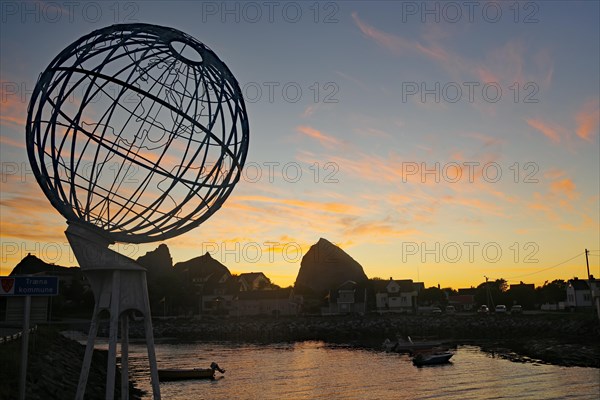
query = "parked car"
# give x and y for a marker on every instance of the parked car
(436, 310)
(450, 310)
(483, 309)
(516, 309)
(500, 309)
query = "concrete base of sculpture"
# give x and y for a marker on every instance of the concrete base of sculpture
(120, 287)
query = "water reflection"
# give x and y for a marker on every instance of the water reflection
(312, 370)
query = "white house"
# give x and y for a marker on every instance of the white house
(579, 294)
(349, 298)
(396, 296)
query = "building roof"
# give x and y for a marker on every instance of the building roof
(522, 285)
(579, 284)
(251, 276)
(378, 285)
(406, 285)
(348, 285)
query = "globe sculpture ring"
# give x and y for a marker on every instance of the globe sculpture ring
(137, 132)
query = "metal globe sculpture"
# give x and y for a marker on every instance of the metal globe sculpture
(137, 132)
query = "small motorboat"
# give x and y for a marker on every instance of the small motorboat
(432, 358)
(177, 374)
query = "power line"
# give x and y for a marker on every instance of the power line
(546, 269)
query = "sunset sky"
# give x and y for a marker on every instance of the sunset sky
(432, 142)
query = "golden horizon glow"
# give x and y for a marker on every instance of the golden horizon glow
(371, 156)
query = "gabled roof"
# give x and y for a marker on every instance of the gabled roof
(204, 268)
(579, 284)
(250, 277)
(348, 285)
(378, 285)
(406, 285)
(418, 286)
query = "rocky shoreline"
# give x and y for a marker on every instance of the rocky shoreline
(54, 365)
(561, 339)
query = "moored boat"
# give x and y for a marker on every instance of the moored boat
(436, 358)
(176, 374)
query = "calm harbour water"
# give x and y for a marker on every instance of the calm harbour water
(316, 370)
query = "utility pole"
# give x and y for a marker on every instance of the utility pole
(488, 293)
(587, 263)
(594, 299)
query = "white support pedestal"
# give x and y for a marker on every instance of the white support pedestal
(120, 287)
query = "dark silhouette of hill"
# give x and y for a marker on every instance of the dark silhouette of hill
(32, 265)
(325, 266)
(203, 268)
(158, 262)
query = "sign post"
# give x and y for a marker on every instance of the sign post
(24, 348)
(27, 286)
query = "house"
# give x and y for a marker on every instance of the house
(276, 302)
(349, 298)
(210, 279)
(254, 281)
(396, 295)
(462, 302)
(579, 293)
(218, 298)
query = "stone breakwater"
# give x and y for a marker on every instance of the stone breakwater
(54, 365)
(564, 339)
(358, 329)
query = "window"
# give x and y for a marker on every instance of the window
(586, 297)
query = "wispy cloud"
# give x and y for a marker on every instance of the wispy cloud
(14, 106)
(588, 119)
(586, 124)
(547, 129)
(399, 45)
(564, 187)
(380, 231)
(325, 140)
(507, 64)
(8, 141)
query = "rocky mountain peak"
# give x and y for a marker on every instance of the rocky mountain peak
(326, 266)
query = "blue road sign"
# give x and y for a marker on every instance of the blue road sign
(28, 285)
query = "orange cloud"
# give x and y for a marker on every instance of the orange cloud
(588, 119)
(485, 75)
(548, 130)
(554, 173)
(380, 229)
(14, 106)
(330, 207)
(564, 187)
(325, 140)
(7, 141)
